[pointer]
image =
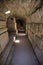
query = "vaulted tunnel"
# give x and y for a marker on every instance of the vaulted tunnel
(21, 32)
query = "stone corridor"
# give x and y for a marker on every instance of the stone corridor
(21, 53)
(21, 16)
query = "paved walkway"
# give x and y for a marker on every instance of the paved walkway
(23, 54)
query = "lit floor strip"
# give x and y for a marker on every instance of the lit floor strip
(21, 34)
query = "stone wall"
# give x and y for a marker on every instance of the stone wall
(3, 35)
(35, 34)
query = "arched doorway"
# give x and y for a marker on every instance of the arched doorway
(11, 25)
(16, 25)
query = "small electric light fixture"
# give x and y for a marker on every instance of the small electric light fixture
(7, 12)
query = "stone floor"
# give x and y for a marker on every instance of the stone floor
(23, 54)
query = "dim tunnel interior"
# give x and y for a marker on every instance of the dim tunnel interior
(21, 53)
(21, 32)
(21, 25)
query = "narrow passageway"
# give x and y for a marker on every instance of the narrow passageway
(23, 54)
(16, 17)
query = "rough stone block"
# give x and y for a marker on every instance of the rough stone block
(36, 18)
(3, 40)
(2, 24)
(39, 55)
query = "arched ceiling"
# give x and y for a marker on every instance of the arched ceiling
(21, 8)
